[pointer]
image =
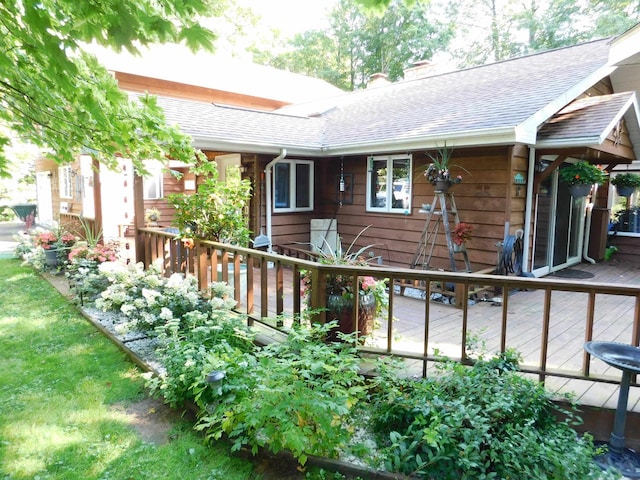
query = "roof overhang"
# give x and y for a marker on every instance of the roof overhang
(484, 137)
(572, 119)
(625, 48)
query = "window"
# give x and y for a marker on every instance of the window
(152, 183)
(66, 185)
(389, 183)
(293, 186)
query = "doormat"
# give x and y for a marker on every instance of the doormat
(572, 273)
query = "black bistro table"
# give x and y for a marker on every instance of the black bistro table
(626, 358)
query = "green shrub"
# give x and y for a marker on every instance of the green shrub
(485, 421)
(297, 395)
(186, 349)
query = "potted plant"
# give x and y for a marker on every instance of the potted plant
(372, 294)
(460, 234)
(55, 243)
(626, 183)
(151, 217)
(439, 170)
(216, 211)
(581, 176)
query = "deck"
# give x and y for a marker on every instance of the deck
(613, 321)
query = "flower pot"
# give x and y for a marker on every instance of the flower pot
(625, 191)
(340, 308)
(441, 185)
(579, 190)
(54, 257)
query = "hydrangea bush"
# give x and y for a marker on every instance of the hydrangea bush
(145, 296)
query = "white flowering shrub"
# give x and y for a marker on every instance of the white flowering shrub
(146, 296)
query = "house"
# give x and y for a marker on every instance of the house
(88, 190)
(359, 157)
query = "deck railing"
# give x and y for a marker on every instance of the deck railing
(267, 289)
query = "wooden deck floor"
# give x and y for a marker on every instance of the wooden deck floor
(613, 322)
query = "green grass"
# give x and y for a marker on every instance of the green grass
(59, 382)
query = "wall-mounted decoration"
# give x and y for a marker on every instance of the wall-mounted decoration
(344, 188)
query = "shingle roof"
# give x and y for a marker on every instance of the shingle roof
(232, 124)
(588, 118)
(506, 96)
(498, 95)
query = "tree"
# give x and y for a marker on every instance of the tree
(362, 42)
(493, 30)
(60, 98)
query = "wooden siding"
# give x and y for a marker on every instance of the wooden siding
(486, 199)
(628, 249)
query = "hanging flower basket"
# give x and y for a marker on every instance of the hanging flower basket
(579, 190)
(625, 191)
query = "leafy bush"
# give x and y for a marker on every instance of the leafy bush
(146, 296)
(485, 421)
(186, 350)
(297, 395)
(216, 211)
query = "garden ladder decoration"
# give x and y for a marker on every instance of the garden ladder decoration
(445, 215)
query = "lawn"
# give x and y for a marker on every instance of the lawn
(67, 395)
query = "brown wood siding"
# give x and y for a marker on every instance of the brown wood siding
(484, 199)
(170, 184)
(628, 249)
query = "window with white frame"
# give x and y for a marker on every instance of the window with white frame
(293, 186)
(389, 181)
(66, 182)
(153, 181)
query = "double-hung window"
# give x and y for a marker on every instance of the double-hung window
(293, 186)
(153, 182)
(389, 181)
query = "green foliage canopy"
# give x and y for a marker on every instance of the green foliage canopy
(56, 96)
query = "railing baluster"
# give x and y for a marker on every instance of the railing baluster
(588, 331)
(505, 315)
(427, 317)
(546, 320)
(392, 294)
(465, 311)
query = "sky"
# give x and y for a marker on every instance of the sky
(292, 16)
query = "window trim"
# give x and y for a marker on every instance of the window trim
(388, 208)
(293, 186)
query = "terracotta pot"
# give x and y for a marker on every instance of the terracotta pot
(579, 190)
(341, 308)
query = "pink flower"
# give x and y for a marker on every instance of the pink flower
(368, 282)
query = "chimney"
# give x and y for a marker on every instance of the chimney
(421, 69)
(378, 80)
